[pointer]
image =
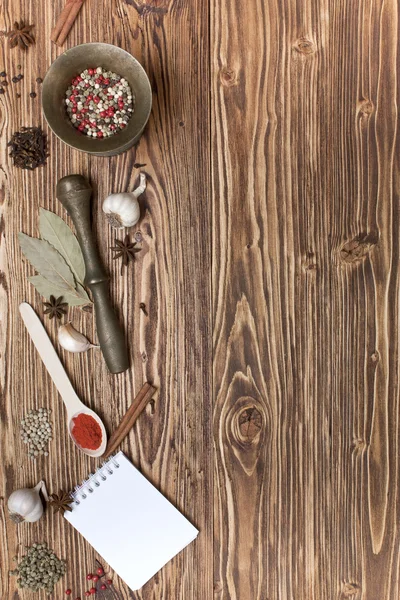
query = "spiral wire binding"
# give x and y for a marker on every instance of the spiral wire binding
(87, 487)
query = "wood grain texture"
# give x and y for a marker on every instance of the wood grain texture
(305, 298)
(270, 272)
(172, 441)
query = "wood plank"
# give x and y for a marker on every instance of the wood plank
(305, 298)
(172, 441)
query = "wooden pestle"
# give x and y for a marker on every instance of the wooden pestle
(74, 193)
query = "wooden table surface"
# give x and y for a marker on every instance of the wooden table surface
(270, 270)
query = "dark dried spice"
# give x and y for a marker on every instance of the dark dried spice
(39, 80)
(4, 83)
(20, 76)
(3, 74)
(1, 90)
(28, 148)
(14, 79)
(33, 94)
(55, 307)
(21, 36)
(125, 249)
(142, 307)
(61, 502)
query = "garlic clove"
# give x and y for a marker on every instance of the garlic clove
(72, 340)
(26, 504)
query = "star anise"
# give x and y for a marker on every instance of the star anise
(55, 308)
(21, 35)
(125, 249)
(61, 502)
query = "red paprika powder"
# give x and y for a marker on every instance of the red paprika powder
(86, 432)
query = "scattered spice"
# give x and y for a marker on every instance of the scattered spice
(5, 83)
(3, 74)
(142, 307)
(1, 90)
(61, 502)
(39, 569)
(86, 432)
(55, 307)
(14, 79)
(21, 36)
(39, 80)
(33, 94)
(36, 432)
(68, 592)
(125, 249)
(20, 76)
(18, 95)
(28, 148)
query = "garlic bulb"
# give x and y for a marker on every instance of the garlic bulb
(72, 340)
(123, 210)
(26, 504)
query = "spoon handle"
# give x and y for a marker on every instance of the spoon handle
(50, 359)
(74, 193)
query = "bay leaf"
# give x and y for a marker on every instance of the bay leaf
(47, 261)
(46, 288)
(55, 231)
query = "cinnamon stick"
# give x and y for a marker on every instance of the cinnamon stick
(61, 21)
(139, 403)
(74, 8)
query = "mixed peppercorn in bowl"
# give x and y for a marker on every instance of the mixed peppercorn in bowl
(97, 98)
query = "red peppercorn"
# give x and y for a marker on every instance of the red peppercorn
(89, 576)
(74, 82)
(110, 97)
(107, 81)
(112, 127)
(100, 571)
(75, 92)
(68, 592)
(103, 114)
(74, 109)
(103, 587)
(95, 578)
(92, 590)
(90, 97)
(91, 71)
(96, 99)
(100, 134)
(81, 127)
(109, 581)
(79, 78)
(122, 125)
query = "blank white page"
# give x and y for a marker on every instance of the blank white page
(128, 522)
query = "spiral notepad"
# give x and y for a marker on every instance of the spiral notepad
(128, 521)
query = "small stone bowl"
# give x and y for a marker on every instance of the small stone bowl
(74, 61)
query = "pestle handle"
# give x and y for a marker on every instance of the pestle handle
(74, 193)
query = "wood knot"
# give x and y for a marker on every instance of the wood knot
(350, 589)
(366, 108)
(250, 423)
(357, 249)
(359, 445)
(375, 356)
(228, 77)
(304, 46)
